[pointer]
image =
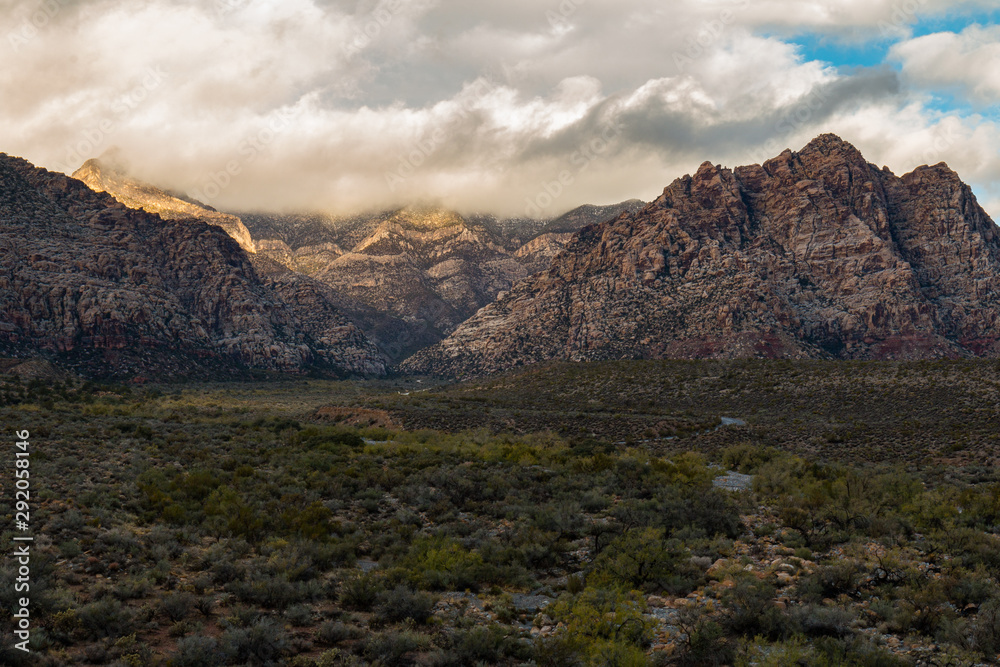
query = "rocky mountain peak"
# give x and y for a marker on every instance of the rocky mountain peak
(815, 253)
(110, 173)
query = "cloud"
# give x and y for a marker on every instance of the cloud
(967, 62)
(503, 107)
(854, 19)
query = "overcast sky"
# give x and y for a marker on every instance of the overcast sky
(508, 106)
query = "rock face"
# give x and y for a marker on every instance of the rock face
(116, 292)
(107, 174)
(410, 277)
(813, 254)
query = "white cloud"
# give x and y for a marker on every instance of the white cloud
(482, 105)
(968, 61)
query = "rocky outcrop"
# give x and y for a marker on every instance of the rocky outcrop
(422, 271)
(107, 174)
(813, 254)
(407, 277)
(112, 291)
(537, 254)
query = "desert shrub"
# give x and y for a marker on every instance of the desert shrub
(70, 521)
(226, 571)
(236, 515)
(750, 610)
(747, 459)
(921, 607)
(262, 643)
(986, 630)
(823, 651)
(177, 606)
(674, 509)
(96, 654)
(707, 642)
(313, 522)
(817, 621)
(329, 438)
(273, 592)
(205, 605)
(598, 619)
(332, 633)
(130, 651)
(974, 547)
(832, 579)
(133, 588)
(444, 564)
(969, 588)
(197, 651)
(299, 615)
(644, 560)
(361, 592)
(403, 603)
(593, 502)
(105, 618)
(488, 645)
(390, 647)
(70, 549)
(857, 651)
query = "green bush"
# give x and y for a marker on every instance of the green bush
(443, 564)
(986, 630)
(197, 651)
(600, 622)
(106, 618)
(750, 611)
(177, 606)
(390, 647)
(707, 641)
(329, 438)
(361, 592)
(817, 621)
(332, 633)
(264, 642)
(485, 646)
(644, 560)
(403, 603)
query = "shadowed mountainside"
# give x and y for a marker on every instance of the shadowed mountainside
(815, 254)
(115, 292)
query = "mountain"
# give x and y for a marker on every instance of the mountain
(815, 254)
(115, 292)
(409, 277)
(109, 174)
(406, 277)
(586, 215)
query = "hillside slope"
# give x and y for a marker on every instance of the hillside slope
(815, 254)
(112, 291)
